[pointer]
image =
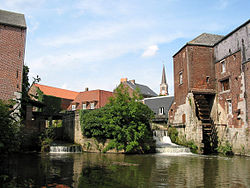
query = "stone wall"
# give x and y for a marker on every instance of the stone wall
(186, 122)
(72, 131)
(238, 40)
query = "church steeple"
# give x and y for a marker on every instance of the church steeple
(163, 79)
(163, 85)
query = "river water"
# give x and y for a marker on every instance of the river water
(118, 170)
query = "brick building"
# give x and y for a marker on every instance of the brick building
(211, 89)
(90, 99)
(66, 96)
(12, 40)
(131, 85)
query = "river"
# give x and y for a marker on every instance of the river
(118, 170)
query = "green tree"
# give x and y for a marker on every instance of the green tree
(9, 129)
(25, 90)
(124, 119)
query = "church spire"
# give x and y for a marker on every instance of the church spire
(163, 79)
(163, 85)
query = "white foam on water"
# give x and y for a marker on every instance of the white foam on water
(165, 146)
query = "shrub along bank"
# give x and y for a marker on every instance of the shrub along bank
(124, 121)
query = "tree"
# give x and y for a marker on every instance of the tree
(124, 120)
(25, 90)
(9, 129)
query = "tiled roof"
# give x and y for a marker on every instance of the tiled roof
(145, 90)
(12, 18)
(87, 96)
(100, 96)
(206, 39)
(154, 103)
(57, 92)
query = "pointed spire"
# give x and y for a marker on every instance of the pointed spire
(163, 79)
(163, 85)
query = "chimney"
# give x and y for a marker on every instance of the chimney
(86, 89)
(124, 80)
(132, 81)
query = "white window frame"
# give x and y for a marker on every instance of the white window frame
(92, 105)
(161, 111)
(84, 106)
(223, 66)
(180, 78)
(73, 107)
(229, 106)
(222, 85)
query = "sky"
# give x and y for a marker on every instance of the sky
(74, 44)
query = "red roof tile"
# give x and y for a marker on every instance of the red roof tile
(99, 96)
(57, 92)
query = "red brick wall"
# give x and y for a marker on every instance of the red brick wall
(104, 98)
(233, 72)
(12, 40)
(180, 65)
(201, 67)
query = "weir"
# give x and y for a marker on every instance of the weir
(65, 148)
(165, 146)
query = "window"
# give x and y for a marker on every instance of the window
(229, 107)
(84, 106)
(225, 85)
(73, 107)
(180, 78)
(223, 67)
(92, 105)
(207, 79)
(161, 110)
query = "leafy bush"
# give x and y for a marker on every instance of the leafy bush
(225, 149)
(124, 120)
(192, 146)
(46, 138)
(10, 134)
(173, 134)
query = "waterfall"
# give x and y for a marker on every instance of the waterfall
(165, 146)
(65, 149)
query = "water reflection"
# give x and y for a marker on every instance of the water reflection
(116, 170)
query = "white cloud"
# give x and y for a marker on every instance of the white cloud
(150, 51)
(65, 86)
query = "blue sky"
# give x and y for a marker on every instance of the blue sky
(74, 44)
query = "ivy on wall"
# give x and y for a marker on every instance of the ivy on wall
(53, 104)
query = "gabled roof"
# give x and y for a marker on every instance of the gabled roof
(92, 95)
(98, 95)
(145, 90)
(12, 19)
(229, 34)
(87, 96)
(57, 92)
(154, 103)
(206, 39)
